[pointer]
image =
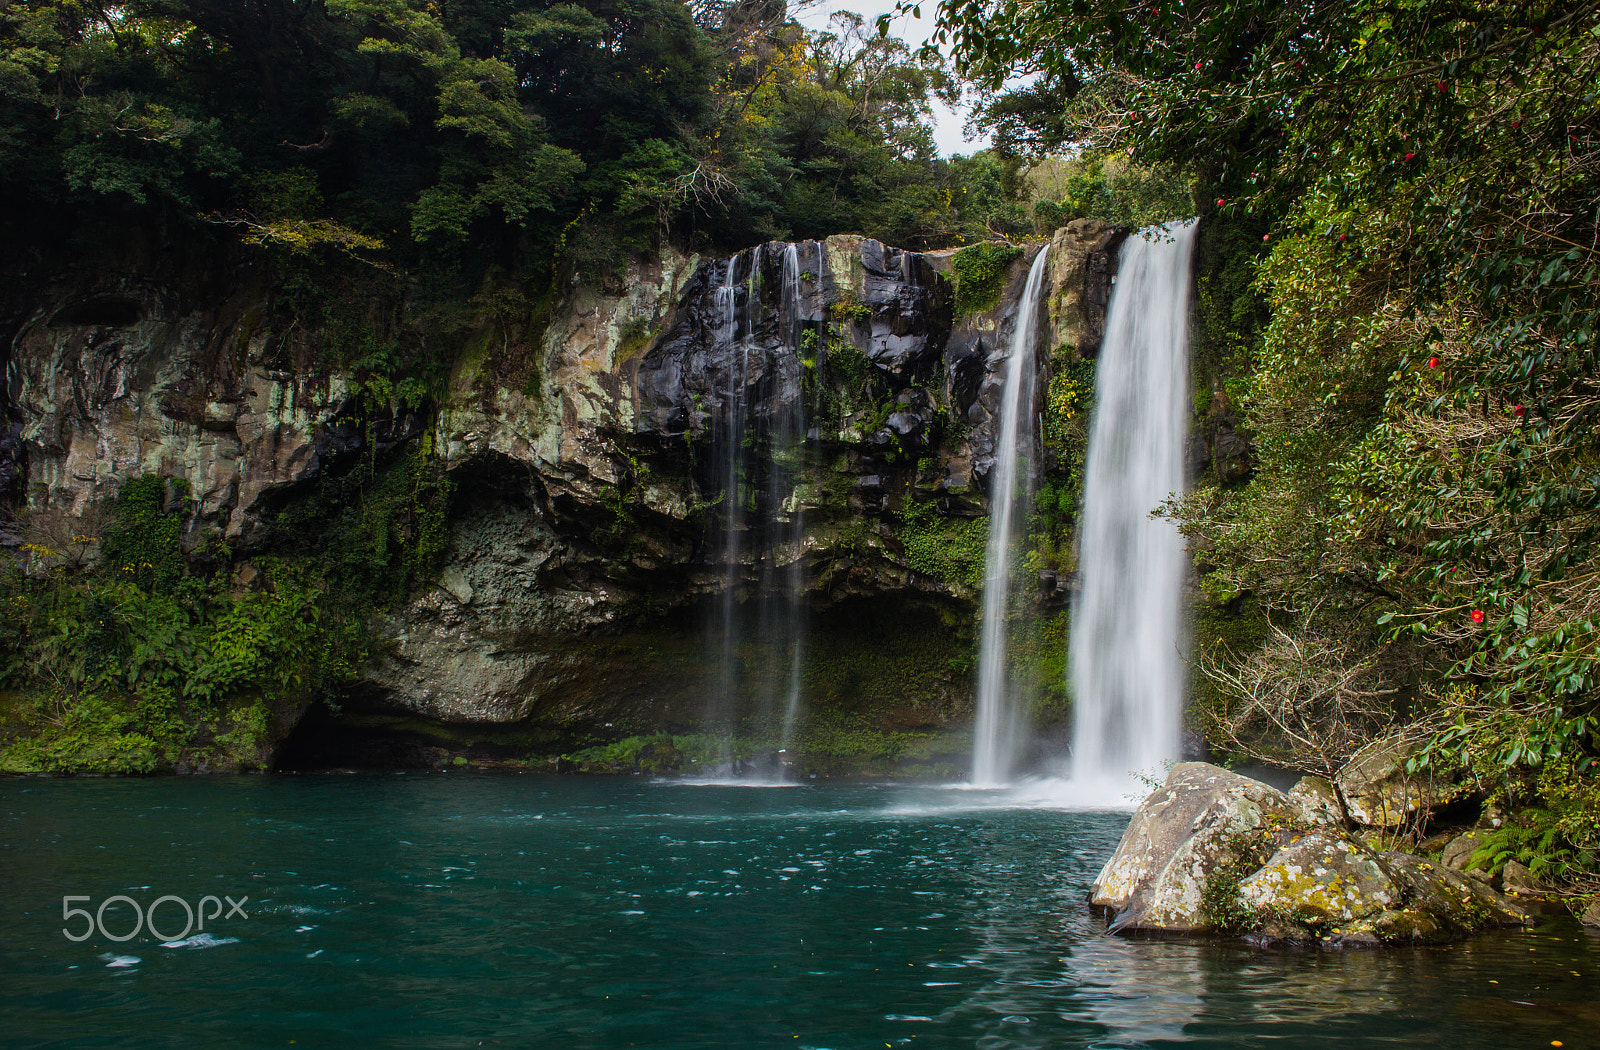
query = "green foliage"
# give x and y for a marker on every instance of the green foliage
(1229, 309)
(1112, 188)
(946, 548)
(856, 738)
(144, 544)
(144, 660)
(1222, 909)
(848, 308)
(980, 276)
(365, 539)
(1557, 833)
(657, 753)
(438, 138)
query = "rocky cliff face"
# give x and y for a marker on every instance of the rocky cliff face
(581, 554)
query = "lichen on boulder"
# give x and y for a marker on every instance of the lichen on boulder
(1322, 879)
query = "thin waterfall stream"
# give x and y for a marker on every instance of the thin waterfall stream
(997, 730)
(757, 441)
(1125, 660)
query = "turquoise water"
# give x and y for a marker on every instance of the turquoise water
(505, 911)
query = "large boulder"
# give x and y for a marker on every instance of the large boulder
(1214, 852)
(1193, 825)
(1378, 792)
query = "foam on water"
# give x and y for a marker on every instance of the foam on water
(205, 940)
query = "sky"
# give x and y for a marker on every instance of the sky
(914, 31)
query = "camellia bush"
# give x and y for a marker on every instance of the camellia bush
(1423, 393)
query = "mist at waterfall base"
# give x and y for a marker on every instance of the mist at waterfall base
(462, 910)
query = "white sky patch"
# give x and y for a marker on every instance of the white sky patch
(947, 122)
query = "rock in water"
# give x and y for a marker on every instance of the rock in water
(1459, 850)
(1516, 878)
(1188, 828)
(1212, 852)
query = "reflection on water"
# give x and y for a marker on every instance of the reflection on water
(428, 911)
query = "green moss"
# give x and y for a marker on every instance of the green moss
(830, 742)
(1222, 909)
(945, 548)
(633, 337)
(1042, 651)
(980, 276)
(106, 732)
(849, 308)
(151, 660)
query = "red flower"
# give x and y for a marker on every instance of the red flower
(1410, 155)
(1219, 202)
(1477, 616)
(1443, 87)
(1519, 411)
(1265, 236)
(1197, 65)
(1341, 236)
(1433, 362)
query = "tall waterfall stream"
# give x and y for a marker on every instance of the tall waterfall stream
(1125, 663)
(998, 727)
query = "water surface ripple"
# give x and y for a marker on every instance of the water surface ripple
(466, 911)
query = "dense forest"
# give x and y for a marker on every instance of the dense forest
(1398, 297)
(538, 136)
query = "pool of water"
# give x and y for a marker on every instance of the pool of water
(500, 911)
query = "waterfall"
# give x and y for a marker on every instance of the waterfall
(757, 443)
(997, 729)
(1125, 665)
(727, 447)
(784, 590)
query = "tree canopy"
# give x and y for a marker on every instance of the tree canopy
(408, 131)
